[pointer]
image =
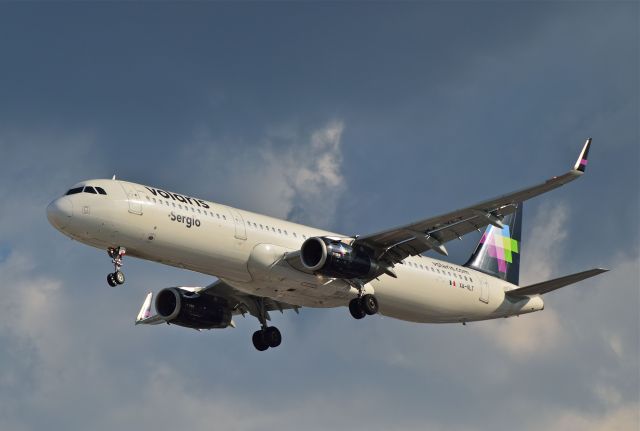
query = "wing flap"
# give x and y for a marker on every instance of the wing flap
(557, 283)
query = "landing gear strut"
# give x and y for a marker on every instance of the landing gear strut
(117, 276)
(268, 336)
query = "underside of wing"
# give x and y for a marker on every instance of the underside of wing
(396, 244)
(243, 303)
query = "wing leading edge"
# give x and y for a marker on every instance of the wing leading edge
(394, 245)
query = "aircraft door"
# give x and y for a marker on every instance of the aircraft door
(134, 198)
(484, 291)
(241, 231)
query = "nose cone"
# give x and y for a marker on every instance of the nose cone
(59, 212)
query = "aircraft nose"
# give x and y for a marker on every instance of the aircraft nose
(59, 212)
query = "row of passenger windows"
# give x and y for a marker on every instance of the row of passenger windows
(257, 226)
(223, 217)
(186, 207)
(438, 271)
(87, 189)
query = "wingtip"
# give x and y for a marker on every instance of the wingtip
(581, 163)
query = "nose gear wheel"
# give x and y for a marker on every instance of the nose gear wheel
(117, 255)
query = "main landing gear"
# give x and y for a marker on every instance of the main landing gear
(367, 305)
(117, 276)
(268, 336)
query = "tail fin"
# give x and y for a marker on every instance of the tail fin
(498, 252)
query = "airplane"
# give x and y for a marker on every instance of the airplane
(264, 264)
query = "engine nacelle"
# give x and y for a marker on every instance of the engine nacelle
(184, 308)
(333, 258)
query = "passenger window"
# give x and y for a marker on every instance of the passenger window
(224, 217)
(285, 232)
(100, 191)
(294, 235)
(279, 231)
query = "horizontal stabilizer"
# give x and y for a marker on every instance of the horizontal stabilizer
(548, 286)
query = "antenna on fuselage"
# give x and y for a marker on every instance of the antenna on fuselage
(114, 177)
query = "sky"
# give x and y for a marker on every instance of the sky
(353, 117)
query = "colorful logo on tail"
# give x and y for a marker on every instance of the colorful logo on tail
(500, 246)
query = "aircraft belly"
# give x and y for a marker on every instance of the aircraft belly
(415, 298)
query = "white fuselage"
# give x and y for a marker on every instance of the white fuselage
(246, 250)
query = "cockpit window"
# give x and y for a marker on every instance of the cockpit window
(74, 191)
(90, 190)
(100, 191)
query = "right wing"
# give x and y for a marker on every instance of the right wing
(239, 302)
(144, 316)
(242, 303)
(394, 245)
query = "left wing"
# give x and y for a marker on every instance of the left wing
(394, 245)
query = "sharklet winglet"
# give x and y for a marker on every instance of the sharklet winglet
(581, 163)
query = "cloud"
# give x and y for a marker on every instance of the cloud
(288, 174)
(626, 417)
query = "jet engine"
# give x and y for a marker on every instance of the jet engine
(184, 308)
(333, 258)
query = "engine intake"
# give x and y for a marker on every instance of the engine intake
(333, 258)
(192, 310)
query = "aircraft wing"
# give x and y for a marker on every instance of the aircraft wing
(242, 303)
(394, 245)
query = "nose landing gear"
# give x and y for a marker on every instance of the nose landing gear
(117, 276)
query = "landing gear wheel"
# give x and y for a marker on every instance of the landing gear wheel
(272, 336)
(355, 308)
(116, 255)
(118, 277)
(369, 304)
(259, 341)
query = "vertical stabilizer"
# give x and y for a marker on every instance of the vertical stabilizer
(498, 252)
